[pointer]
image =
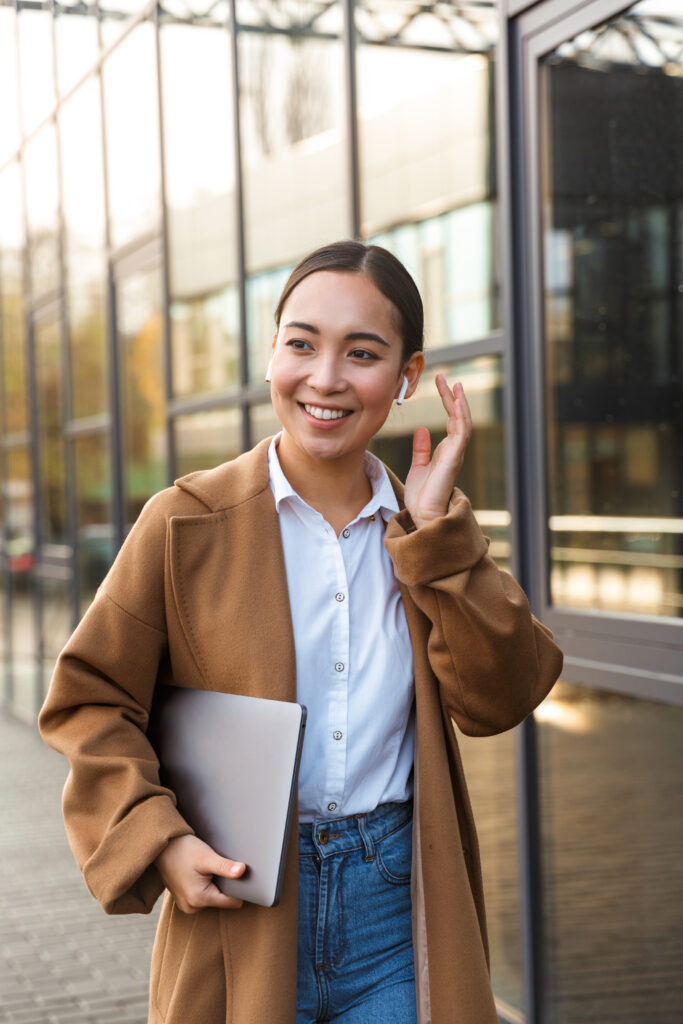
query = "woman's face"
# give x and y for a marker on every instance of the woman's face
(337, 364)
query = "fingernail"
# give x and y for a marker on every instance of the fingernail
(235, 869)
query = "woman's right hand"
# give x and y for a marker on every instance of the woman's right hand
(187, 867)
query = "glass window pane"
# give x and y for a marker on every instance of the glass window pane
(51, 432)
(57, 622)
(13, 378)
(21, 572)
(36, 67)
(42, 204)
(84, 247)
(205, 343)
(613, 309)
(482, 477)
(291, 76)
(76, 40)
(206, 439)
(132, 124)
(9, 108)
(93, 512)
(612, 869)
(426, 133)
(490, 771)
(140, 341)
(264, 422)
(200, 199)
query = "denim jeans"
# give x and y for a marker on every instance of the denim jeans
(355, 948)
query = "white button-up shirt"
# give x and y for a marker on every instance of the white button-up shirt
(354, 658)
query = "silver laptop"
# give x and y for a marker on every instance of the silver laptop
(233, 764)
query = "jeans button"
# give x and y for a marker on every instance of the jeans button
(323, 836)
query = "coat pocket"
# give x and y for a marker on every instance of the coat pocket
(188, 984)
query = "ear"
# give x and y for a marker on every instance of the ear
(274, 342)
(412, 371)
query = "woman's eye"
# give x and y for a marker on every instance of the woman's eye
(298, 343)
(363, 354)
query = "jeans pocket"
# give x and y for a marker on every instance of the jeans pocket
(394, 854)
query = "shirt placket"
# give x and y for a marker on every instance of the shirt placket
(337, 721)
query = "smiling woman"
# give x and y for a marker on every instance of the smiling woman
(385, 616)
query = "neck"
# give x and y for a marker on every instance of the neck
(337, 488)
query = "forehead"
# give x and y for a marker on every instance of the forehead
(344, 301)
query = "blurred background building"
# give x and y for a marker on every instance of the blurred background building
(163, 167)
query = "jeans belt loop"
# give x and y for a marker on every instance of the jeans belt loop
(368, 842)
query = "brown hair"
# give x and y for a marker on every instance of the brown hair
(386, 272)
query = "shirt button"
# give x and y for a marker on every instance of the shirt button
(346, 532)
(337, 734)
(332, 806)
(339, 667)
(339, 596)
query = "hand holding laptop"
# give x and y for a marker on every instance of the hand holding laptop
(187, 867)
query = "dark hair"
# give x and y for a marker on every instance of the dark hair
(386, 272)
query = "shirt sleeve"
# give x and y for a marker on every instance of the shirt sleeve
(118, 817)
(494, 661)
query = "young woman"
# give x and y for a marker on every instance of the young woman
(303, 570)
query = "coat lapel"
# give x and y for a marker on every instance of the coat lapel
(229, 581)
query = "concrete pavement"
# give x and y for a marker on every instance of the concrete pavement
(62, 959)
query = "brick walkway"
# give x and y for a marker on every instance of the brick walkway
(62, 960)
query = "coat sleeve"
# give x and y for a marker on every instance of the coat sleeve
(494, 661)
(118, 817)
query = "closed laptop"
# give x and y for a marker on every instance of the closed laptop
(233, 763)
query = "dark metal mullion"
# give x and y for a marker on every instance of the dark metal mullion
(350, 92)
(239, 230)
(32, 404)
(116, 439)
(67, 379)
(520, 401)
(165, 271)
(5, 632)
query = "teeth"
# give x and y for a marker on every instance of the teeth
(324, 414)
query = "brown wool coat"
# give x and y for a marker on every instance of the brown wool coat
(198, 596)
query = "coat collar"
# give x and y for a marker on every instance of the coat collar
(232, 483)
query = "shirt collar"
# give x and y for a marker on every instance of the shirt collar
(382, 501)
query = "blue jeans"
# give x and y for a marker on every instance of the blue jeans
(355, 948)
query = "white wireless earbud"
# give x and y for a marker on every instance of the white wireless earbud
(402, 392)
(269, 370)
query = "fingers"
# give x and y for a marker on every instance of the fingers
(187, 867)
(456, 406)
(422, 447)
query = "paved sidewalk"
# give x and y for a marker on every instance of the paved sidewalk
(62, 959)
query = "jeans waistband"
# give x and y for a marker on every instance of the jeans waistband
(327, 836)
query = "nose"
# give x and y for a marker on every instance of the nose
(327, 375)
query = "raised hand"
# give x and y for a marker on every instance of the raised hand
(432, 477)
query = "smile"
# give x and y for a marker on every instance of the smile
(326, 414)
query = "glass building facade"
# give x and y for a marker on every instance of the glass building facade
(164, 166)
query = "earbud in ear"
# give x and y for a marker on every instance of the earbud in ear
(402, 392)
(269, 370)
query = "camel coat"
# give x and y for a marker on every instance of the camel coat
(198, 597)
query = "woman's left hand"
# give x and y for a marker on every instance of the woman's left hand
(430, 482)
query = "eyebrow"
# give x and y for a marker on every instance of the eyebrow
(353, 336)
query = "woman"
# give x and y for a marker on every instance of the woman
(303, 570)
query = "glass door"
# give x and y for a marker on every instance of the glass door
(599, 199)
